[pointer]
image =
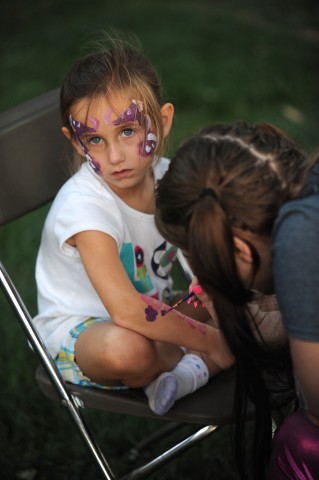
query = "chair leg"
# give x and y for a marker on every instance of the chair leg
(88, 438)
(170, 454)
(135, 452)
(38, 346)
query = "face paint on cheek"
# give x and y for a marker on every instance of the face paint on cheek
(79, 130)
(148, 146)
(94, 164)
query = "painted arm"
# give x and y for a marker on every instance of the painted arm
(131, 310)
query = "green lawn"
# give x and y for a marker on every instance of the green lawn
(219, 60)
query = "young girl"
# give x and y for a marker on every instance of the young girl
(242, 202)
(102, 268)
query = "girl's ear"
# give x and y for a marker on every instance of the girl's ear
(66, 132)
(167, 112)
(242, 250)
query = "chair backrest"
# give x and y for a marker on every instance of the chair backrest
(31, 137)
(33, 169)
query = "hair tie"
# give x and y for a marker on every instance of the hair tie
(208, 192)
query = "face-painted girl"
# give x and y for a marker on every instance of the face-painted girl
(118, 147)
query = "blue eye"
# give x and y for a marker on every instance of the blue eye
(127, 132)
(95, 140)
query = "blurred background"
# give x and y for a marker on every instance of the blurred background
(220, 60)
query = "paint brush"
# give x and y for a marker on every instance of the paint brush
(182, 300)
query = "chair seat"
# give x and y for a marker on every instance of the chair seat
(210, 405)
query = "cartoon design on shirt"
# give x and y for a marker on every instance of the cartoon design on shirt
(141, 271)
(162, 260)
(133, 261)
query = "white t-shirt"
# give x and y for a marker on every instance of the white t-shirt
(66, 296)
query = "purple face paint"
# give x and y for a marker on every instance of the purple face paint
(79, 130)
(94, 164)
(95, 123)
(147, 147)
(134, 113)
(107, 116)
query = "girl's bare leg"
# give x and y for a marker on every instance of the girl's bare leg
(112, 355)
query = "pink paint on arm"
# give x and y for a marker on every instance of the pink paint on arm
(154, 306)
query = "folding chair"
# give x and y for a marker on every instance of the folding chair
(30, 134)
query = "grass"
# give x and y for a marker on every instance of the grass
(220, 61)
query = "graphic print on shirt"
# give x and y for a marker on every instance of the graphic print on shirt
(133, 261)
(162, 260)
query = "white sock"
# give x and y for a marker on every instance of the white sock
(189, 375)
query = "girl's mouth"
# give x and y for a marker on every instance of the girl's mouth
(122, 173)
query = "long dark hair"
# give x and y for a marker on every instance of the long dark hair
(230, 176)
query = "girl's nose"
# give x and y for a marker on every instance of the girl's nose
(116, 154)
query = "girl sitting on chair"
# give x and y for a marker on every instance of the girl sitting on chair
(103, 268)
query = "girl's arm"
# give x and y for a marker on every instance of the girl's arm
(131, 310)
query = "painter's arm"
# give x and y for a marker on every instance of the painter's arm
(296, 278)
